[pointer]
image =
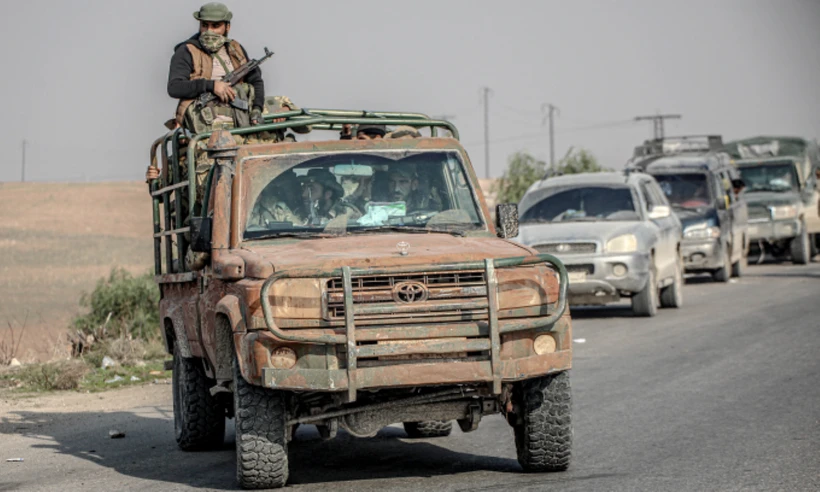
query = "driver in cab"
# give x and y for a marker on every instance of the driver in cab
(404, 185)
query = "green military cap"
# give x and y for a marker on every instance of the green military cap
(213, 12)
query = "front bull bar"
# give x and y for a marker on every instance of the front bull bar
(491, 304)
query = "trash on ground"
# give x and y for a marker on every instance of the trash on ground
(155, 373)
(134, 379)
(15, 363)
(116, 434)
(115, 379)
(14, 460)
(580, 340)
(107, 362)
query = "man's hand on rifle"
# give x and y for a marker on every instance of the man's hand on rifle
(224, 91)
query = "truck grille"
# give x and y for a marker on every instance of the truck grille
(759, 213)
(426, 288)
(567, 248)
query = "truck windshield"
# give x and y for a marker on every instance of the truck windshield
(690, 190)
(769, 177)
(358, 192)
(584, 204)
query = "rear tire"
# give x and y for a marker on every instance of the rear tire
(428, 428)
(724, 273)
(800, 248)
(261, 436)
(199, 418)
(543, 440)
(672, 295)
(645, 302)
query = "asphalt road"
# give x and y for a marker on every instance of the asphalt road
(722, 394)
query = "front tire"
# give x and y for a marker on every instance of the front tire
(645, 302)
(672, 295)
(724, 273)
(543, 440)
(800, 248)
(427, 429)
(199, 418)
(261, 436)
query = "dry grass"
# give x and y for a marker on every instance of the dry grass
(56, 241)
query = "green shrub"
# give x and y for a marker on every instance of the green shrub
(51, 376)
(121, 306)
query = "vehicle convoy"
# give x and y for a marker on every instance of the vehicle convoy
(703, 187)
(352, 284)
(783, 193)
(615, 233)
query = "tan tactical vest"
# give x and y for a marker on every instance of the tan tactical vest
(203, 69)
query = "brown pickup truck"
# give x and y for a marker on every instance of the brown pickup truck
(352, 284)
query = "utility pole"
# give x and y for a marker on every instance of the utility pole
(23, 165)
(551, 110)
(486, 91)
(657, 122)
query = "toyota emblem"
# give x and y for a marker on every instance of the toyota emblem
(409, 292)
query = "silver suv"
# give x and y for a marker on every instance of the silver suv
(615, 233)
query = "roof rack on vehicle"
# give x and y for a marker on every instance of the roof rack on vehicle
(172, 185)
(679, 145)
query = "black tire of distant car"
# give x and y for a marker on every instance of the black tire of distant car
(724, 273)
(543, 438)
(672, 295)
(800, 248)
(261, 435)
(645, 302)
(199, 417)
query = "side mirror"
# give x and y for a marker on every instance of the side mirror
(660, 212)
(506, 220)
(201, 234)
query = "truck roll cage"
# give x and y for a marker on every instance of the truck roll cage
(169, 230)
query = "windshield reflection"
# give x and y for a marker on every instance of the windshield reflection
(584, 204)
(769, 177)
(689, 190)
(360, 193)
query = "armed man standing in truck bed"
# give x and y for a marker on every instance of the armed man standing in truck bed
(197, 67)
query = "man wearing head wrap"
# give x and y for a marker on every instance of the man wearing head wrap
(279, 202)
(322, 198)
(405, 185)
(363, 132)
(199, 64)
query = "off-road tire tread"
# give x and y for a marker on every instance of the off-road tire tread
(428, 428)
(261, 441)
(543, 441)
(203, 416)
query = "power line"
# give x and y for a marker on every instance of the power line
(533, 136)
(657, 122)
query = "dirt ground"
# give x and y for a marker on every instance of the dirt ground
(56, 241)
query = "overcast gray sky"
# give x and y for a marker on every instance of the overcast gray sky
(85, 81)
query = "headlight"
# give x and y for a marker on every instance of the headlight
(701, 231)
(626, 243)
(298, 298)
(525, 287)
(784, 212)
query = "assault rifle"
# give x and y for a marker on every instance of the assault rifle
(232, 79)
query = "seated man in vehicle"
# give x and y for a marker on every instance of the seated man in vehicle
(363, 132)
(700, 197)
(405, 185)
(357, 181)
(279, 202)
(322, 198)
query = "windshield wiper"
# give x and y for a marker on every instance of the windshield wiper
(275, 235)
(411, 230)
